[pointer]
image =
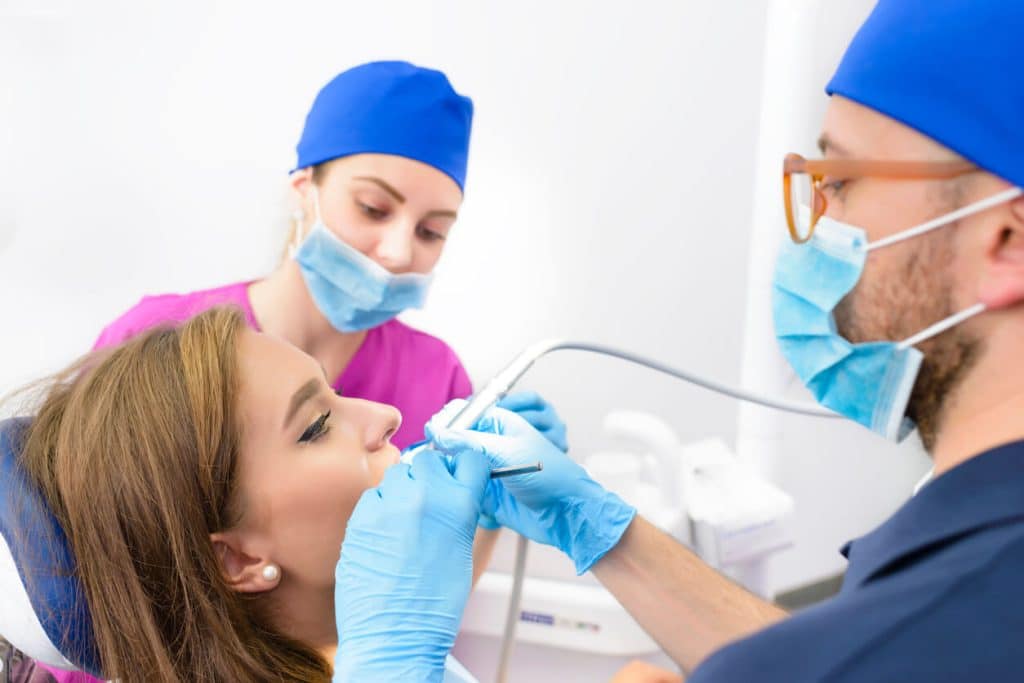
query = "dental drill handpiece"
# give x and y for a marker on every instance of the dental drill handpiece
(494, 391)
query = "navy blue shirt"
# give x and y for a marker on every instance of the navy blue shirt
(936, 593)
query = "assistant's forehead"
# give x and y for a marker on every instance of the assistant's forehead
(865, 133)
(415, 179)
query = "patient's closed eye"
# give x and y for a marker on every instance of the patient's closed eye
(317, 429)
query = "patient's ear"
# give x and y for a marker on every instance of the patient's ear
(1002, 281)
(246, 571)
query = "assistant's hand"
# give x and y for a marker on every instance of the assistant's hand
(405, 570)
(541, 415)
(559, 506)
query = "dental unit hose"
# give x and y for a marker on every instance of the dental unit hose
(502, 383)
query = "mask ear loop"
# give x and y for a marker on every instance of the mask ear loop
(299, 217)
(969, 210)
(941, 326)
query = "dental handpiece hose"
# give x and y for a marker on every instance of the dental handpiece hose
(503, 382)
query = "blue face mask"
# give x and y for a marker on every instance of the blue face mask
(350, 289)
(871, 382)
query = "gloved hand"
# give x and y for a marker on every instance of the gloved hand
(532, 407)
(559, 506)
(541, 415)
(405, 570)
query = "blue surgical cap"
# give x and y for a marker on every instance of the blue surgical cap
(950, 69)
(389, 108)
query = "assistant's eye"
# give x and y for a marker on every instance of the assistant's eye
(317, 429)
(429, 235)
(372, 211)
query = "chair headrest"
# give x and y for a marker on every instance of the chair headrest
(43, 611)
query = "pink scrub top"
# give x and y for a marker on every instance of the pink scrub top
(61, 676)
(397, 365)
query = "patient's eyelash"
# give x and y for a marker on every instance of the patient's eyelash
(315, 430)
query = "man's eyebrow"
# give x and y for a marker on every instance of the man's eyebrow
(826, 144)
(384, 186)
(307, 391)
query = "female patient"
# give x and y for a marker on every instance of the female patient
(204, 475)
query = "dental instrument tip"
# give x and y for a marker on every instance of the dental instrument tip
(513, 471)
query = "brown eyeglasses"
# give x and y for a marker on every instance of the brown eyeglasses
(808, 192)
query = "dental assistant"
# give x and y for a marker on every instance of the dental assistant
(379, 179)
(899, 301)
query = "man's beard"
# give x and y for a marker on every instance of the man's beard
(903, 306)
(943, 369)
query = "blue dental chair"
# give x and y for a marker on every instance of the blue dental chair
(43, 611)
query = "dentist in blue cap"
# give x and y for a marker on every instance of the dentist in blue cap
(899, 301)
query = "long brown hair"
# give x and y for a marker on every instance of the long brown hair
(136, 450)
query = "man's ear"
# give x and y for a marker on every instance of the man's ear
(1002, 281)
(246, 572)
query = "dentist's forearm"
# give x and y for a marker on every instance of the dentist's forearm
(483, 550)
(686, 606)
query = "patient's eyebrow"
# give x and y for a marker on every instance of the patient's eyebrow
(307, 391)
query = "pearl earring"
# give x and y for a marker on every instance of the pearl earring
(271, 572)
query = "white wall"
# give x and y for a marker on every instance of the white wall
(146, 147)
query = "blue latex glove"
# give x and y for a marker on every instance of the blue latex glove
(541, 415)
(405, 570)
(559, 506)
